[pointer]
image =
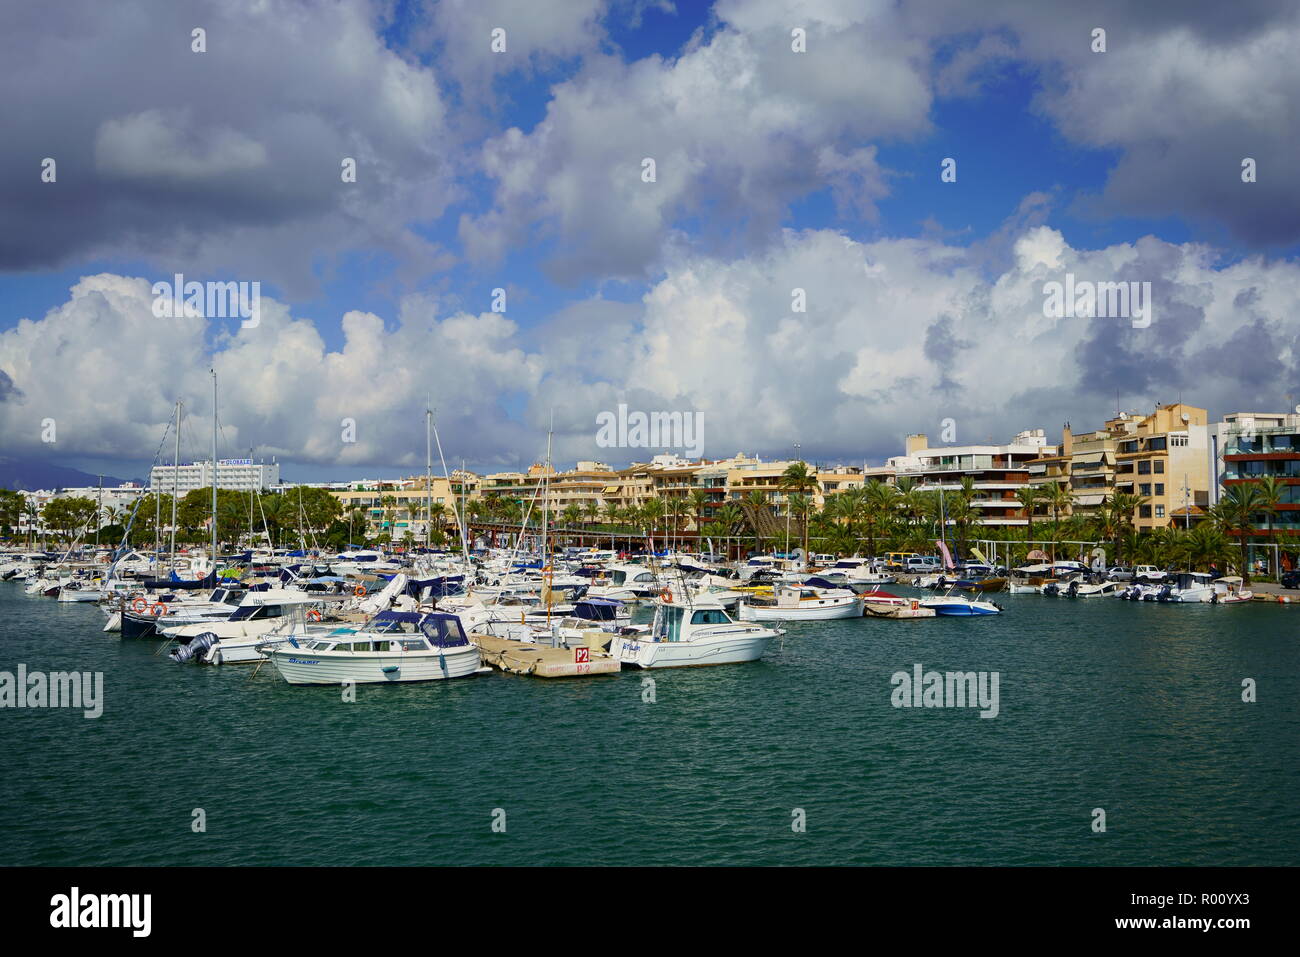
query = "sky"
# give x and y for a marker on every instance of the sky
(799, 150)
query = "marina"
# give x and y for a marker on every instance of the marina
(1090, 690)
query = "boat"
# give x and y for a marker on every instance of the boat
(692, 632)
(799, 603)
(237, 639)
(884, 605)
(1228, 591)
(394, 647)
(1187, 588)
(956, 605)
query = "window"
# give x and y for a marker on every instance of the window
(1160, 488)
(709, 616)
(1144, 489)
(1160, 511)
(1144, 511)
(1157, 445)
(1144, 467)
(1160, 466)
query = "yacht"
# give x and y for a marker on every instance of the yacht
(692, 632)
(800, 603)
(393, 647)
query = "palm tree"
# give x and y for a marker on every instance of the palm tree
(1235, 514)
(729, 516)
(1028, 497)
(1271, 492)
(1058, 499)
(699, 501)
(570, 518)
(1122, 507)
(799, 479)
(875, 504)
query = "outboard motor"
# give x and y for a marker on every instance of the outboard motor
(1163, 593)
(1052, 589)
(1073, 590)
(198, 646)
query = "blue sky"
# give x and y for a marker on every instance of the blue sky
(1046, 155)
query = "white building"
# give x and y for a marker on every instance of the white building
(242, 475)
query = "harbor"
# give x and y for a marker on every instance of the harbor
(706, 771)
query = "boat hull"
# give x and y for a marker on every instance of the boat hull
(815, 613)
(298, 666)
(718, 650)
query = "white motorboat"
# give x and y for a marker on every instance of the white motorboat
(1187, 588)
(626, 583)
(692, 632)
(393, 647)
(236, 639)
(798, 603)
(79, 589)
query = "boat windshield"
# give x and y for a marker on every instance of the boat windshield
(710, 616)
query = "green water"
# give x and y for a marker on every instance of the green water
(1134, 708)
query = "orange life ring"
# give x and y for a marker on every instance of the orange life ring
(666, 595)
(154, 609)
(313, 615)
(139, 605)
(359, 591)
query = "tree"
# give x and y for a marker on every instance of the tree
(699, 501)
(1122, 507)
(69, 515)
(1235, 514)
(1271, 492)
(1058, 500)
(11, 510)
(798, 479)
(1029, 496)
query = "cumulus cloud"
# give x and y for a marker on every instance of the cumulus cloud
(738, 126)
(107, 371)
(1184, 92)
(898, 334)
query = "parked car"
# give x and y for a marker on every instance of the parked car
(922, 566)
(1149, 573)
(1120, 573)
(1291, 579)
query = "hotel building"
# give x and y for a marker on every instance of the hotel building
(243, 475)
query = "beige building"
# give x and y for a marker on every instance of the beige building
(398, 506)
(1164, 457)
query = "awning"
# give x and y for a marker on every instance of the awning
(1089, 499)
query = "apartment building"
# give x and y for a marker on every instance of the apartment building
(998, 472)
(1164, 457)
(398, 506)
(1247, 446)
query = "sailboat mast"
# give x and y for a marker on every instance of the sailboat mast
(428, 474)
(214, 471)
(176, 471)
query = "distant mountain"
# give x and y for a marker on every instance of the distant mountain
(29, 475)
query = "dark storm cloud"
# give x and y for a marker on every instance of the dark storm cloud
(226, 159)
